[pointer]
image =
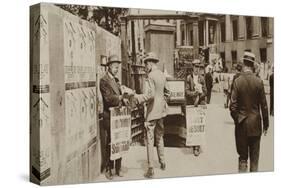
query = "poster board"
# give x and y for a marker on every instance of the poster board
(40, 121)
(120, 131)
(177, 90)
(195, 125)
(64, 130)
(80, 87)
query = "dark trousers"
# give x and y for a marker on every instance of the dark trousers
(109, 164)
(271, 103)
(247, 146)
(209, 93)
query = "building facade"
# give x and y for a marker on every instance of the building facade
(225, 35)
(229, 36)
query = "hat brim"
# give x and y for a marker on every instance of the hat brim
(110, 62)
(151, 59)
(249, 60)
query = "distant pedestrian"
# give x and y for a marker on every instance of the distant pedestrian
(226, 89)
(238, 68)
(271, 85)
(209, 83)
(247, 100)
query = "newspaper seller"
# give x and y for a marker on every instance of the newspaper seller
(111, 93)
(195, 90)
(155, 97)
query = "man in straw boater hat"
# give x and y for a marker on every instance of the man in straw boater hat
(195, 91)
(112, 97)
(247, 100)
(155, 98)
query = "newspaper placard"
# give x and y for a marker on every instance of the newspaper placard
(177, 90)
(120, 131)
(195, 125)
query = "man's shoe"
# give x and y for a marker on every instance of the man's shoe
(120, 173)
(163, 166)
(149, 173)
(108, 174)
(243, 166)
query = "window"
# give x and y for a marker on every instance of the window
(263, 55)
(191, 37)
(201, 33)
(222, 31)
(222, 54)
(234, 57)
(212, 32)
(139, 44)
(249, 27)
(264, 26)
(235, 29)
(175, 40)
(182, 37)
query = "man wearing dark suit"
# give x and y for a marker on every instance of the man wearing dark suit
(247, 100)
(271, 86)
(209, 84)
(112, 97)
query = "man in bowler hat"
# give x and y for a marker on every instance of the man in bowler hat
(247, 100)
(112, 97)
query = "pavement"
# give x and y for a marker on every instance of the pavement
(218, 155)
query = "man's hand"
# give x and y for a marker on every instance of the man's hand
(125, 96)
(195, 93)
(127, 90)
(126, 102)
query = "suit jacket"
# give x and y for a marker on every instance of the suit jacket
(110, 90)
(190, 89)
(247, 100)
(154, 95)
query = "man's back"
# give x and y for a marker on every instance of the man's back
(247, 99)
(157, 108)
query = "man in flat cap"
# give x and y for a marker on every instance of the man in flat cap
(112, 97)
(195, 91)
(155, 98)
(247, 100)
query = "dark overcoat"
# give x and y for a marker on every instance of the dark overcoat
(247, 101)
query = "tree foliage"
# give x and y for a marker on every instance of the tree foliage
(108, 18)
